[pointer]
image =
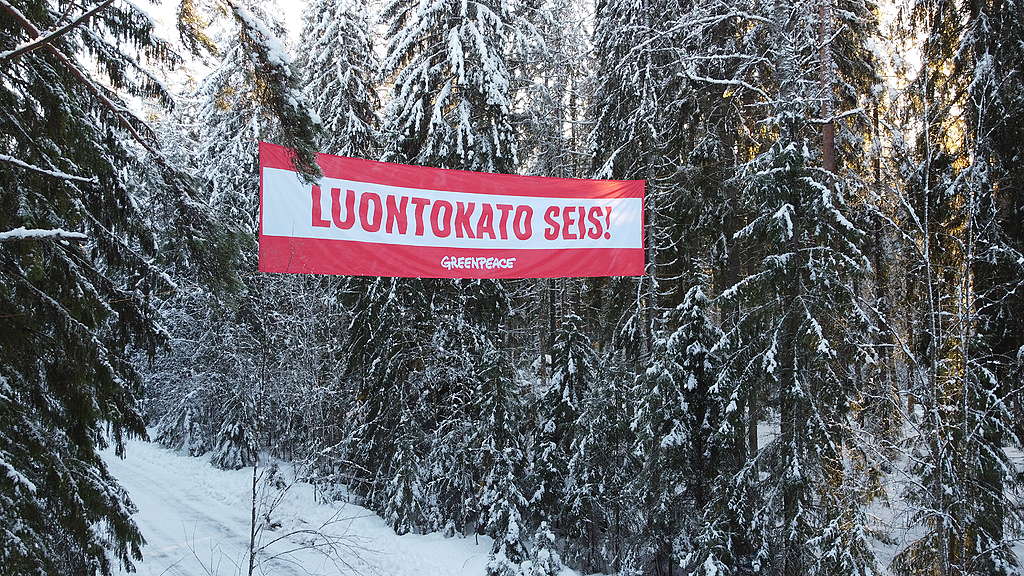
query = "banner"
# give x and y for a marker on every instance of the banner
(366, 218)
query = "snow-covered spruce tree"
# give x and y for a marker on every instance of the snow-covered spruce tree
(315, 392)
(251, 95)
(799, 331)
(995, 112)
(453, 413)
(265, 77)
(78, 270)
(999, 101)
(598, 508)
(670, 100)
(574, 369)
(553, 84)
(544, 559)
(965, 281)
(414, 350)
(849, 62)
(553, 88)
(385, 354)
(502, 500)
(449, 62)
(800, 324)
(229, 386)
(629, 84)
(403, 497)
(997, 106)
(719, 50)
(473, 321)
(676, 425)
(634, 109)
(340, 70)
(243, 394)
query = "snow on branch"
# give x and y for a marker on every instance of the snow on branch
(280, 95)
(119, 112)
(261, 33)
(854, 112)
(54, 173)
(37, 233)
(48, 37)
(741, 83)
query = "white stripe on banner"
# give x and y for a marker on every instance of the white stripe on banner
(445, 219)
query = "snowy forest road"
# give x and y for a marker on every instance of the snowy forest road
(196, 519)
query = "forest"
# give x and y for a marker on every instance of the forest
(819, 374)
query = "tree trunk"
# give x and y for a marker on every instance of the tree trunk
(828, 129)
(252, 521)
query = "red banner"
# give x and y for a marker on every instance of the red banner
(366, 218)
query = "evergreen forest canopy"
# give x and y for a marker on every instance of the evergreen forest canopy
(820, 375)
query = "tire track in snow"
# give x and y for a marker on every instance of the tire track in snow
(186, 504)
(181, 516)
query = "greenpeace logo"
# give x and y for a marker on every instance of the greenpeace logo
(476, 263)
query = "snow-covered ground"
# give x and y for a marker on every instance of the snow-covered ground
(196, 521)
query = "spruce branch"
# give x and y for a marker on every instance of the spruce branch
(38, 170)
(45, 39)
(37, 234)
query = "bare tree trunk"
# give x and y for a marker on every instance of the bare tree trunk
(790, 432)
(828, 129)
(252, 520)
(752, 409)
(651, 279)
